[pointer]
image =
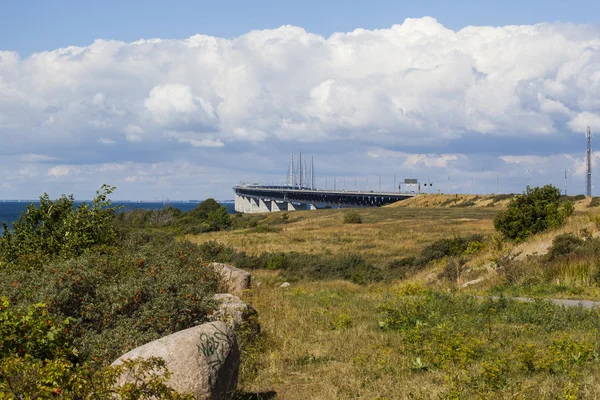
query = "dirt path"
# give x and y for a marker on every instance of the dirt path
(562, 302)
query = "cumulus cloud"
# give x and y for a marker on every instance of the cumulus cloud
(443, 98)
(61, 171)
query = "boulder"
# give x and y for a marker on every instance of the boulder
(284, 284)
(236, 280)
(203, 360)
(239, 316)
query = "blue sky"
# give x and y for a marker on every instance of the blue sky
(32, 26)
(185, 99)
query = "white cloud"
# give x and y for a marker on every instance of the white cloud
(195, 139)
(445, 97)
(176, 105)
(523, 160)
(416, 160)
(584, 119)
(61, 171)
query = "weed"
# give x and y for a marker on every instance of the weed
(352, 217)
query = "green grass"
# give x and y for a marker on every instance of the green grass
(336, 340)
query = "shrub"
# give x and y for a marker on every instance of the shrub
(563, 245)
(535, 211)
(123, 297)
(33, 330)
(39, 359)
(502, 197)
(352, 217)
(264, 229)
(448, 247)
(208, 216)
(205, 208)
(30, 378)
(595, 202)
(56, 228)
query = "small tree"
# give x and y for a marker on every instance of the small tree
(57, 228)
(205, 208)
(536, 210)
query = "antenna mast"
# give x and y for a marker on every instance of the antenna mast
(588, 162)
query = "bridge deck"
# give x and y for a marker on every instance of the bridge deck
(322, 197)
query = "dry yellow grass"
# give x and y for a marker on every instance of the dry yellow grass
(385, 234)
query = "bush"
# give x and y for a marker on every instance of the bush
(595, 202)
(123, 297)
(352, 217)
(208, 216)
(449, 247)
(535, 211)
(39, 359)
(564, 244)
(56, 228)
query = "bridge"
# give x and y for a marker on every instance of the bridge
(258, 198)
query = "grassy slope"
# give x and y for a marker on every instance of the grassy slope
(323, 340)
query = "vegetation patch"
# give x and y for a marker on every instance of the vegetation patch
(352, 217)
(78, 291)
(480, 347)
(535, 211)
(595, 202)
(208, 216)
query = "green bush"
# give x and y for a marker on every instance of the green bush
(534, 211)
(31, 378)
(564, 244)
(448, 247)
(39, 359)
(57, 228)
(352, 217)
(120, 298)
(208, 216)
(35, 331)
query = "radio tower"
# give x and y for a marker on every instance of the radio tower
(291, 170)
(588, 162)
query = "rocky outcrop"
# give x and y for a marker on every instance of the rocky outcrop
(239, 316)
(236, 280)
(203, 360)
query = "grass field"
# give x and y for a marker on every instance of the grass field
(336, 340)
(385, 233)
(423, 337)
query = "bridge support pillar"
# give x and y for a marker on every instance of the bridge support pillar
(294, 207)
(275, 206)
(264, 205)
(247, 205)
(311, 207)
(240, 203)
(254, 206)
